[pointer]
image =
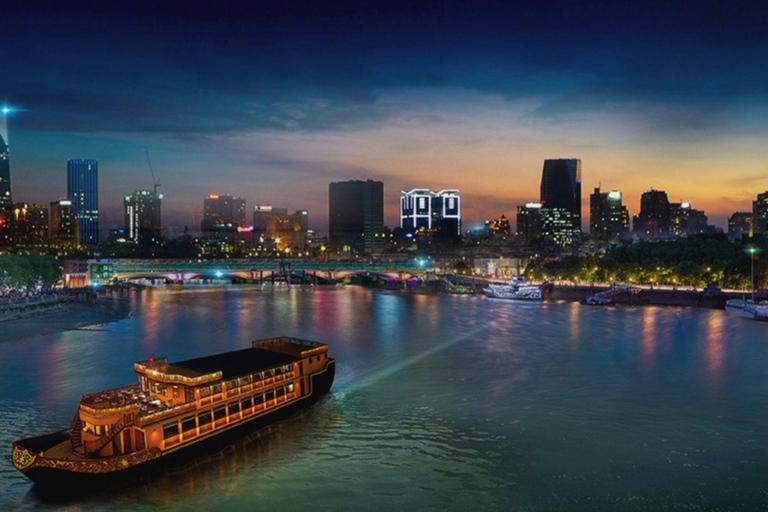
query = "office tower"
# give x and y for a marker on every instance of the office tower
(740, 225)
(287, 231)
(6, 203)
(608, 217)
(561, 201)
(416, 210)
(446, 215)
(529, 222)
(83, 191)
(439, 213)
(222, 214)
(143, 217)
(760, 214)
(30, 224)
(653, 221)
(64, 224)
(356, 216)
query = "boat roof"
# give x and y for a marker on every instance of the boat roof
(230, 364)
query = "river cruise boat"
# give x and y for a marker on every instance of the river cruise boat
(175, 413)
(517, 289)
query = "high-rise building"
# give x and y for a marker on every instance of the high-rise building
(6, 202)
(30, 223)
(143, 217)
(83, 191)
(222, 214)
(529, 222)
(438, 213)
(287, 231)
(356, 216)
(739, 225)
(608, 217)
(653, 221)
(561, 201)
(416, 210)
(760, 214)
(64, 224)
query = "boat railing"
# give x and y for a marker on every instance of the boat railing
(286, 339)
(132, 388)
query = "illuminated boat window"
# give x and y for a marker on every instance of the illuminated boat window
(204, 391)
(170, 429)
(257, 376)
(204, 418)
(289, 387)
(278, 370)
(231, 384)
(188, 424)
(219, 413)
(216, 389)
(175, 391)
(245, 380)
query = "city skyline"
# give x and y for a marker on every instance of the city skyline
(273, 104)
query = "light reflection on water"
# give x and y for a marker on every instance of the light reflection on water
(440, 403)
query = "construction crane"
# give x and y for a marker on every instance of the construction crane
(155, 182)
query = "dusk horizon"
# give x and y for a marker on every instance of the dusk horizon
(274, 103)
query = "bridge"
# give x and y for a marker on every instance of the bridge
(303, 271)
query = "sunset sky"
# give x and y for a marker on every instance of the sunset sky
(274, 102)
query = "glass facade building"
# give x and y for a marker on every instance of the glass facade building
(6, 203)
(356, 216)
(83, 191)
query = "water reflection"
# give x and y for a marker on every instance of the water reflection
(453, 403)
(649, 336)
(714, 350)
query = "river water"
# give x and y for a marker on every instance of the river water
(440, 403)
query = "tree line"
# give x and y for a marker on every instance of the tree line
(695, 261)
(27, 273)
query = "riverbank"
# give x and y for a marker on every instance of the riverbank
(64, 317)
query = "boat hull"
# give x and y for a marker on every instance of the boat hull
(58, 477)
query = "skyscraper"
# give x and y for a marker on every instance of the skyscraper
(64, 229)
(437, 212)
(653, 221)
(222, 213)
(356, 216)
(561, 201)
(6, 203)
(529, 222)
(143, 217)
(760, 213)
(83, 191)
(30, 224)
(739, 225)
(608, 218)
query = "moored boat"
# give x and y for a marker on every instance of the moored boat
(748, 309)
(176, 412)
(517, 289)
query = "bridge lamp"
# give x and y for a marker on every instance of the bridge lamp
(219, 273)
(752, 250)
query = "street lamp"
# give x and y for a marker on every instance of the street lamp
(752, 250)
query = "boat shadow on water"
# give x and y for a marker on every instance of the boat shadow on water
(307, 429)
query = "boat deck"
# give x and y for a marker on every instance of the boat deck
(124, 396)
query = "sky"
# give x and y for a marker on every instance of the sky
(272, 101)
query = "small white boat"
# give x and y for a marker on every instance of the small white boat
(517, 289)
(748, 309)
